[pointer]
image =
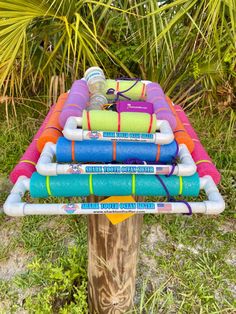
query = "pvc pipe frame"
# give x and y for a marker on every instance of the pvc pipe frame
(71, 132)
(15, 207)
(47, 167)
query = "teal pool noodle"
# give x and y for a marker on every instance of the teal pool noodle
(108, 185)
(61, 186)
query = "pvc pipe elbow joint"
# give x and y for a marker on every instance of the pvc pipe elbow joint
(215, 204)
(187, 166)
(166, 135)
(70, 129)
(13, 205)
(45, 166)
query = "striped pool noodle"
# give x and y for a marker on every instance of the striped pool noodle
(130, 88)
(107, 151)
(181, 135)
(53, 129)
(161, 108)
(76, 102)
(103, 120)
(108, 184)
(28, 161)
(203, 161)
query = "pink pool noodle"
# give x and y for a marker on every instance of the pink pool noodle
(28, 161)
(76, 102)
(156, 96)
(204, 163)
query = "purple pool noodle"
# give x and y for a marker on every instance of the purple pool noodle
(28, 161)
(156, 96)
(76, 102)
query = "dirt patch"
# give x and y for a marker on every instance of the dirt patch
(22, 294)
(14, 265)
(14, 303)
(58, 226)
(231, 258)
(195, 250)
(154, 235)
(5, 185)
(231, 288)
(5, 306)
(228, 226)
(10, 229)
(55, 223)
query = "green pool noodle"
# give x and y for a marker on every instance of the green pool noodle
(101, 120)
(108, 185)
(138, 92)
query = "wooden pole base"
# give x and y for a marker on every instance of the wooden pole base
(112, 261)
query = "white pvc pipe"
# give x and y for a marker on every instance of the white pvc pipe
(47, 167)
(71, 132)
(15, 207)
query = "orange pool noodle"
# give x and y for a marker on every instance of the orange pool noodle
(181, 135)
(53, 129)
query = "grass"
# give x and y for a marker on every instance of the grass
(187, 264)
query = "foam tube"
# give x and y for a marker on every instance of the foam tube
(107, 151)
(181, 136)
(213, 204)
(137, 92)
(101, 120)
(205, 166)
(106, 185)
(76, 102)
(52, 129)
(28, 161)
(156, 96)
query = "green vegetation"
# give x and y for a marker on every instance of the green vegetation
(187, 45)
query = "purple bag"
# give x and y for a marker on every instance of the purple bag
(134, 106)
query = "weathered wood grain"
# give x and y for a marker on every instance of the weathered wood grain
(112, 260)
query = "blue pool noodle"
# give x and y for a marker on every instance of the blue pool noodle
(102, 151)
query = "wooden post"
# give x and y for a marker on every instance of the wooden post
(112, 261)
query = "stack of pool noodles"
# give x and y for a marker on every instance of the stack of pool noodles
(74, 103)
